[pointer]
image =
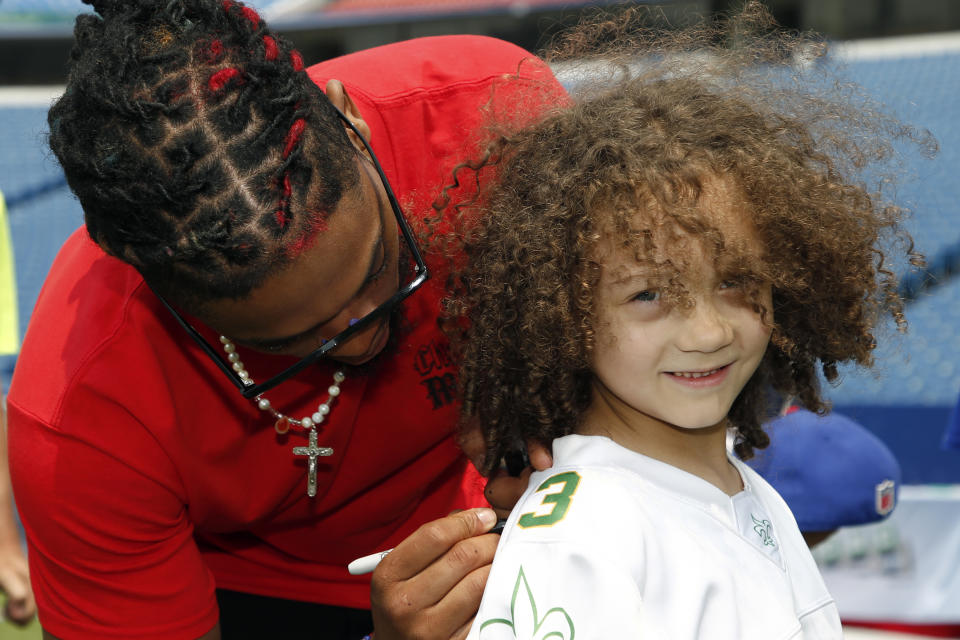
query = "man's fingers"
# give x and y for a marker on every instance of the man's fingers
(454, 573)
(462, 632)
(20, 607)
(439, 597)
(20, 611)
(451, 606)
(465, 599)
(13, 584)
(503, 490)
(540, 456)
(431, 541)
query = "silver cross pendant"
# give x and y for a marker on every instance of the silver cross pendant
(312, 451)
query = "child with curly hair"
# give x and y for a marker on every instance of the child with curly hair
(649, 265)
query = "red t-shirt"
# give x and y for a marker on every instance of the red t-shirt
(145, 481)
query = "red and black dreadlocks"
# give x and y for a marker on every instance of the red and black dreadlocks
(200, 150)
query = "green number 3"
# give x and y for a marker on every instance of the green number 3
(560, 500)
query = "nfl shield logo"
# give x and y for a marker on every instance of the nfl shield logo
(885, 497)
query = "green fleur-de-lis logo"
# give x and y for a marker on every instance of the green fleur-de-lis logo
(526, 623)
(765, 530)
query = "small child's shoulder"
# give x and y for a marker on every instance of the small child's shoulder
(582, 512)
(564, 499)
(589, 471)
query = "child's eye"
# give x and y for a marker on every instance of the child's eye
(731, 284)
(649, 295)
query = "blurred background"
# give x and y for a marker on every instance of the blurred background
(896, 578)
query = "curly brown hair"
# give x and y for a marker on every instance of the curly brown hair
(633, 154)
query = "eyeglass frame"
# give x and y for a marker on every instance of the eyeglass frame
(252, 390)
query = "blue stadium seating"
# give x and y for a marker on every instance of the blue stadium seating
(921, 368)
(39, 223)
(906, 399)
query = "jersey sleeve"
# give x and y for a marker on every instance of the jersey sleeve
(564, 569)
(110, 547)
(556, 590)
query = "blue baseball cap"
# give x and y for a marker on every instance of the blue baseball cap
(831, 471)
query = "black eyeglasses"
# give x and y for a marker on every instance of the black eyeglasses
(250, 389)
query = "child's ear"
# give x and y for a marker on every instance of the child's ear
(338, 96)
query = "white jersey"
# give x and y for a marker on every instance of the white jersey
(609, 543)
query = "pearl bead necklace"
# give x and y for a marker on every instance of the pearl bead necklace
(284, 422)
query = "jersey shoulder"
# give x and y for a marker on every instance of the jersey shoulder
(603, 505)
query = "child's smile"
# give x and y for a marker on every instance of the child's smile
(706, 378)
(662, 365)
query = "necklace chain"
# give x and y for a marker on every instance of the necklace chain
(308, 423)
(284, 422)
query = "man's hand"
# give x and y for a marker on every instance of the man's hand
(430, 585)
(15, 583)
(14, 574)
(503, 490)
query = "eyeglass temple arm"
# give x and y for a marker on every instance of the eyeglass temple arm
(201, 341)
(394, 203)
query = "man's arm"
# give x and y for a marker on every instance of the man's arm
(14, 574)
(110, 541)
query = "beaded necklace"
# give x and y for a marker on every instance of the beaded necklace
(283, 422)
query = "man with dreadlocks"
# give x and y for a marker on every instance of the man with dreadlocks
(221, 400)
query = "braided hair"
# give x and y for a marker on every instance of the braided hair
(198, 146)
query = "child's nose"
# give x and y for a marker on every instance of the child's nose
(705, 328)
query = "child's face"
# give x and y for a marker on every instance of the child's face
(657, 363)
